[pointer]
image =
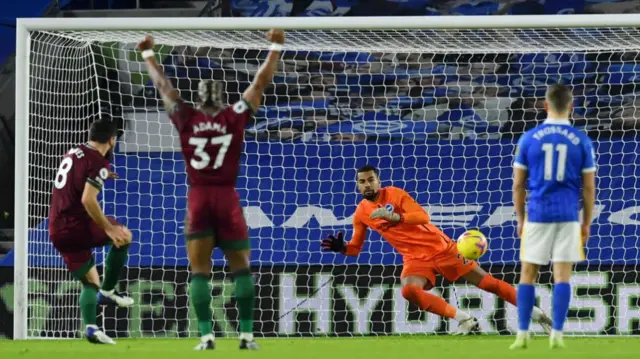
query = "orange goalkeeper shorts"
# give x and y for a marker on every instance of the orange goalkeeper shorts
(448, 264)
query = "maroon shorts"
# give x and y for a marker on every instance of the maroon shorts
(215, 211)
(75, 243)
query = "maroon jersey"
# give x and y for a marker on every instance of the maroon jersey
(81, 165)
(211, 145)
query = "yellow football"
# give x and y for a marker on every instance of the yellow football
(472, 244)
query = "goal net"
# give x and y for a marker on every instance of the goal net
(439, 111)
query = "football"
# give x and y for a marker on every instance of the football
(472, 244)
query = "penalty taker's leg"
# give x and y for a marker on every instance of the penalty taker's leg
(115, 261)
(238, 258)
(89, 303)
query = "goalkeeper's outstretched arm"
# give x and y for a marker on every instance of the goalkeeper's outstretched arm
(169, 94)
(354, 246)
(253, 94)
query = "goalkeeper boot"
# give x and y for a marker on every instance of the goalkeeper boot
(96, 336)
(207, 342)
(468, 326)
(522, 341)
(556, 341)
(545, 322)
(111, 297)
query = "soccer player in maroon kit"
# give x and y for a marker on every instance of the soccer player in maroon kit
(77, 225)
(211, 137)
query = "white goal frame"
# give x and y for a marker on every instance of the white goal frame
(24, 26)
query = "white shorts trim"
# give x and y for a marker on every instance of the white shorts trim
(558, 242)
(519, 165)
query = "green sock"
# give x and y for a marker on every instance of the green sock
(89, 304)
(200, 298)
(244, 299)
(116, 259)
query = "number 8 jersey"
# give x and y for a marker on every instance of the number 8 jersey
(555, 154)
(81, 165)
(211, 145)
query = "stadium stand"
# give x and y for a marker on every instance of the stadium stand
(474, 96)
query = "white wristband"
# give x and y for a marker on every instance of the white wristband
(147, 54)
(275, 46)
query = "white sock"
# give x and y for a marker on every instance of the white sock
(246, 336)
(107, 292)
(522, 334)
(556, 334)
(461, 316)
(206, 338)
(93, 326)
(536, 314)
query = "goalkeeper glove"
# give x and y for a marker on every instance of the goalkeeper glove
(334, 243)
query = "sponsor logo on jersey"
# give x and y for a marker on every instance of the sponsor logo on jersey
(104, 173)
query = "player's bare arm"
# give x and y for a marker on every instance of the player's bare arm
(519, 195)
(169, 94)
(588, 200)
(354, 247)
(253, 94)
(120, 235)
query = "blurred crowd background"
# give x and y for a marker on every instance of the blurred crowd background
(414, 96)
(353, 96)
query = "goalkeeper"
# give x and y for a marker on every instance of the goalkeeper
(425, 249)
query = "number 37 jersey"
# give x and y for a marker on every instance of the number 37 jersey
(555, 155)
(211, 145)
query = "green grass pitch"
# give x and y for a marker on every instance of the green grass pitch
(423, 347)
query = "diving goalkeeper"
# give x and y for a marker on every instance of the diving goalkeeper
(425, 249)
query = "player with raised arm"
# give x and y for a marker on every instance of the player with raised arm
(77, 224)
(211, 137)
(553, 162)
(425, 250)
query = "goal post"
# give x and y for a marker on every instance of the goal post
(334, 23)
(436, 102)
(21, 226)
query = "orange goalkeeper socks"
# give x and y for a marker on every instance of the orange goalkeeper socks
(500, 288)
(427, 301)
